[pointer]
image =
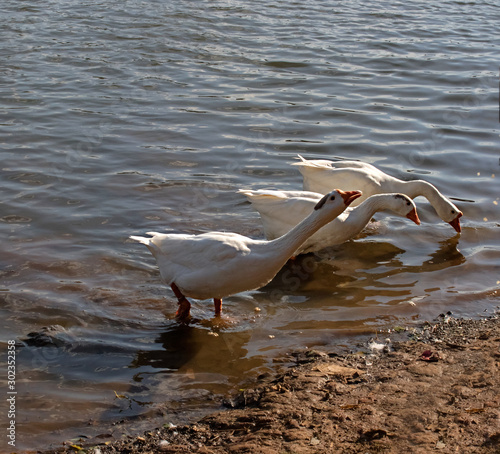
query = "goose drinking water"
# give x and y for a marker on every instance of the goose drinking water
(320, 174)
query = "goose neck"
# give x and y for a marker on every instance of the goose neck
(417, 188)
(368, 208)
(288, 243)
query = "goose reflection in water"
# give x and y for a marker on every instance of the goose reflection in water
(360, 270)
(214, 357)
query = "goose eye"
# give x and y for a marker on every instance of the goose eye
(408, 203)
(332, 197)
(452, 211)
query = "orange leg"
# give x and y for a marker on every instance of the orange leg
(184, 305)
(218, 306)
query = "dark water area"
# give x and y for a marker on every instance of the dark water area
(117, 118)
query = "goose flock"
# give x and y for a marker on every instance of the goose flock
(219, 264)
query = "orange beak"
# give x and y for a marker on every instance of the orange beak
(413, 216)
(456, 222)
(349, 196)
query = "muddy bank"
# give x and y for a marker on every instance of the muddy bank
(435, 388)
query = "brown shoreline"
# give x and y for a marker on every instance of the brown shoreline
(435, 388)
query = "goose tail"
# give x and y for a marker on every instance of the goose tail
(149, 242)
(247, 192)
(262, 194)
(313, 163)
(141, 239)
(301, 162)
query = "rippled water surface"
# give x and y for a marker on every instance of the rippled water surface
(121, 117)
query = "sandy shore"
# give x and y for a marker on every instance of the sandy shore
(434, 388)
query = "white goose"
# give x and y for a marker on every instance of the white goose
(320, 174)
(282, 210)
(219, 264)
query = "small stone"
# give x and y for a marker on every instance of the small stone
(314, 441)
(163, 445)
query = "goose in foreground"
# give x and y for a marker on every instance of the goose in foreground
(320, 174)
(219, 264)
(282, 210)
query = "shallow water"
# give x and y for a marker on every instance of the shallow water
(123, 117)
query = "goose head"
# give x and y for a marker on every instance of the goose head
(455, 223)
(449, 213)
(336, 198)
(404, 206)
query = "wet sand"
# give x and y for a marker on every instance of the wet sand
(432, 388)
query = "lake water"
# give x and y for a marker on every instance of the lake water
(121, 117)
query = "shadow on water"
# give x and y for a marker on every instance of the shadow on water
(335, 267)
(188, 369)
(210, 349)
(178, 348)
(447, 255)
(356, 274)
